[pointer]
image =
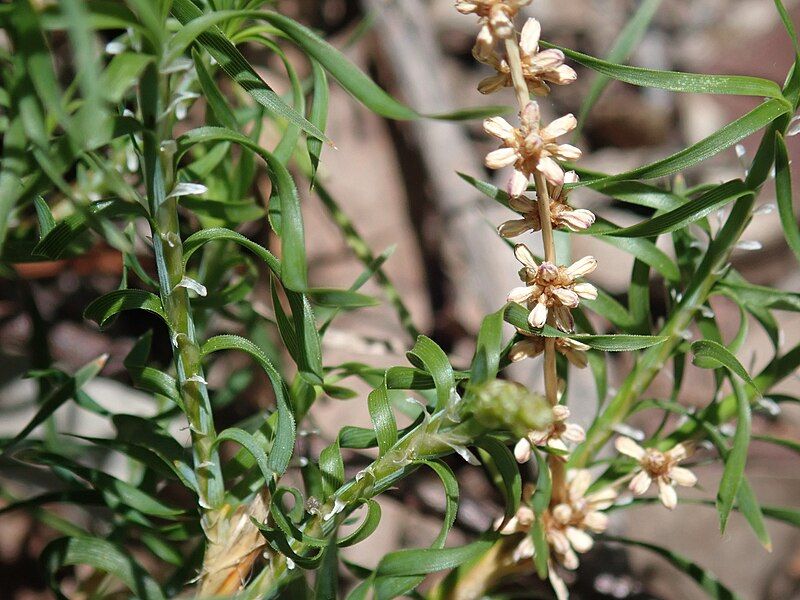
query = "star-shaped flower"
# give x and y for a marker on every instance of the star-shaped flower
(548, 286)
(659, 466)
(530, 148)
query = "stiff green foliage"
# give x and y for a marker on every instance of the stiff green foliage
(101, 160)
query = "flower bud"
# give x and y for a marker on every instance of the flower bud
(503, 405)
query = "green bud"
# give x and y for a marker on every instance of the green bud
(504, 405)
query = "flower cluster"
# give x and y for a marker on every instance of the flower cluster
(531, 148)
(538, 67)
(550, 287)
(568, 524)
(561, 213)
(496, 21)
(556, 436)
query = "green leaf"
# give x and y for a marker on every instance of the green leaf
(426, 354)
(783, 191)
(388, 587)
(691, 211)
(331, 465)
(736, 459)
(623, 46)
(283, 443)
(293, 254)
(216, 101)
(710, 584)
(58, 396)
(367, 528)
(341, 299)
(318, 113)
(104, 556)
(711, 355)
(486, 361)
(251, 445)
(105, 307)
(411, 562)
(757, 296)
(55, 243)
(46, 221)
(504, 463)
(195, 241)
(540, 502)
(675, 81)
(723, 138)
(236, 66)
(518, 317)
(122, 73)
(380, 411)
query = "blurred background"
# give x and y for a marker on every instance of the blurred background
(397, 182)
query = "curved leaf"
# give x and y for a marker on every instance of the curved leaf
(105, 307)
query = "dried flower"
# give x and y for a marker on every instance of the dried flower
(550, 287)
(496, 21)
(538, 67)
(530, 148)
(558, 435)
(561, 213)
(533, 345)
(658, 465)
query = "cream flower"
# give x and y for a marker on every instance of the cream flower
(558, 435)
(530, 148)
(537, 67)
(561, 213)
(496, 21)
(567, 524)
(551, 287)
(533, 345)
(659, 466)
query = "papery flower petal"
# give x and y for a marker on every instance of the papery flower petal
(574, 433)
(567, 297)
(517, 184)
(628, 447)
(529, 36)
(585, 290)
(546, 60)
(640, 483)
(682, 476)
(499, 128)
(516, 227)
(577, 220)
(538, 316)
(502, 157)
(581, 541)
(596, 521)
(579, 482)
(523, 254)
(566, 152)
(562, 75)
(491, 84)
(560, 126)
(521, 294)
(524, 349)
(522, 450)
(551, 170)
(667, 494)
(582, 267)
(677, 453)
(564, 320)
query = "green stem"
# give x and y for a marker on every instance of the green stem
(159, 171)
(711, 269)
